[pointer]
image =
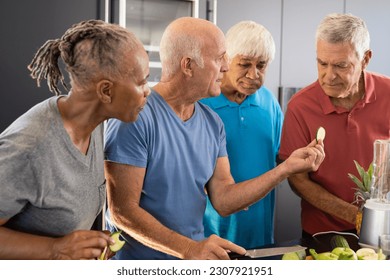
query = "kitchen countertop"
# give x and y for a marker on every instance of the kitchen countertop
(321, 243)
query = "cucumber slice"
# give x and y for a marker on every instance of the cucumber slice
(320, 135)
(366, 254)
(118, 243)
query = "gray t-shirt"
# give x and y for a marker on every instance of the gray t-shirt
(47, 186)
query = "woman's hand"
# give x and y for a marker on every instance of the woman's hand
(82, 244)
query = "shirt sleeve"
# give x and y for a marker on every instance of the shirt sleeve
(17, 183)
(278, 128)
(126, 143)
(222, 137)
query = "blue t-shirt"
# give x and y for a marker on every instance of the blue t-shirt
(179, 157)
(253, 130)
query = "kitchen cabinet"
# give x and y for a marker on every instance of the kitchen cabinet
(148, 20)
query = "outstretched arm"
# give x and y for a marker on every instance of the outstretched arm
(228, 197)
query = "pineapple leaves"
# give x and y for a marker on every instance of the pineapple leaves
(370, 170)
(360, 169)
(356, 181)
(364, 183)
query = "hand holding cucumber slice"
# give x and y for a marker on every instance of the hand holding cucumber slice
(118, 243)
(320, 135)
(113, 247)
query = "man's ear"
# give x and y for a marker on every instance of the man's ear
(366, 59)
(186, 65)
(104, 90)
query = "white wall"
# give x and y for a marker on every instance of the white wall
(293, 24)
(376, 14)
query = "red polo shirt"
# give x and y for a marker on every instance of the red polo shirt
(349, 136)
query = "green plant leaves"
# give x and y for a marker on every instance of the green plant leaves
(364, 183)
(356, 181)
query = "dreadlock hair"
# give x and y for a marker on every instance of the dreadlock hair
(88, 49)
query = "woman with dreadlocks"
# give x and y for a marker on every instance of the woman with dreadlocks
(52, 184)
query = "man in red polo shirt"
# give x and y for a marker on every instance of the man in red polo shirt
(353, 106)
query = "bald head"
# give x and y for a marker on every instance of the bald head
(192, 25)
(186, 37)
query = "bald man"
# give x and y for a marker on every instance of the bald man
(160, 169)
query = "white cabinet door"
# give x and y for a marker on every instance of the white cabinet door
(148, 20)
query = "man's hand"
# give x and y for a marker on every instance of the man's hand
(306, 159)
(213, 248)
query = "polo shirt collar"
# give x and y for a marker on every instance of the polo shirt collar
(222, 101)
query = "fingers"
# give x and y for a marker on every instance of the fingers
(231, 247)
(89, 253)
(313, 143)
(318, 148)
(318, 155)
(94, 243)
(83, 244)
(220, 248)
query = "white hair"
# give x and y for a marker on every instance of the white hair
(250, 39)
(345, 28)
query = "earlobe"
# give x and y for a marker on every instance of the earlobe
(104, 90)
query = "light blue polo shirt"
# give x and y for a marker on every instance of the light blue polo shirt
(253, 130)
(179, 158)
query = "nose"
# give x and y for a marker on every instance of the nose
(225, 63)
(330, 73)
(253, 73)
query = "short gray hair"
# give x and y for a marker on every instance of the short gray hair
(345, 28)
(250, 39)
(175, 46)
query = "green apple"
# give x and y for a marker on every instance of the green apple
(344, 253)
(118, 243)
(323, 256)
(291, 256)
(366, 254)
(327, 256)
(113, 247)
(300, 255)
